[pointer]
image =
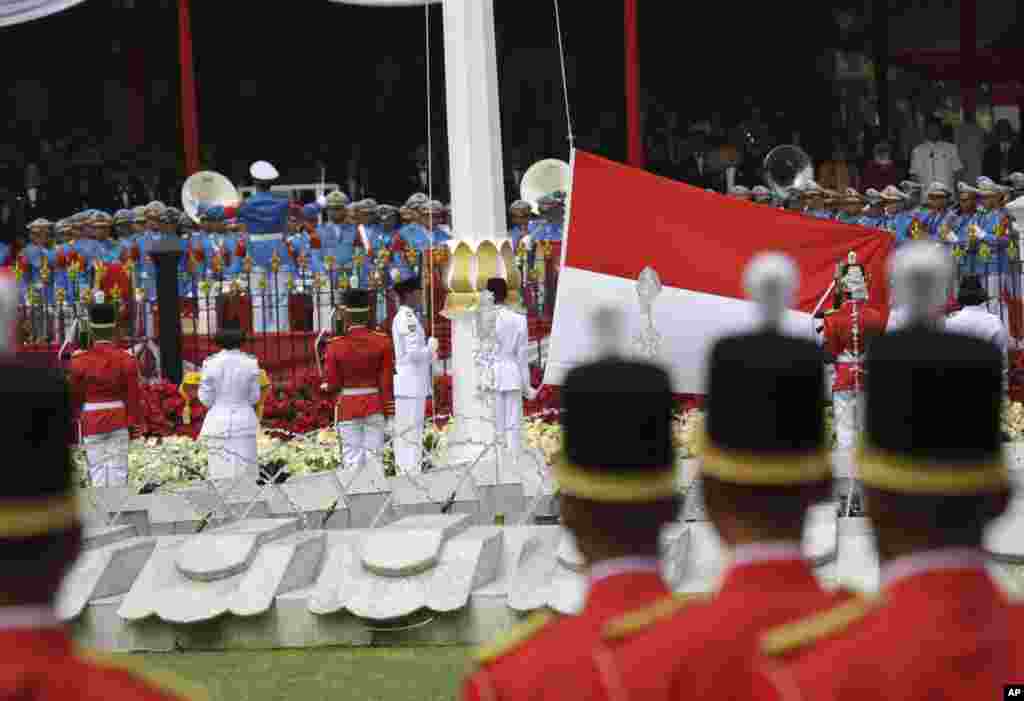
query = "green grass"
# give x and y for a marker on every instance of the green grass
(338, 674)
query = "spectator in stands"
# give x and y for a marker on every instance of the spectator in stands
(838, 173)
(1005, 155)
(882, 171)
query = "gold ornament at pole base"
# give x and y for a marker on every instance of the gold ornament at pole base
(471, 264)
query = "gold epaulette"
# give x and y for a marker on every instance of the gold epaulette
(510, 640)
(385, 334)
(164, 681)
(641, 619)
(789, 637)
(80, 351)
(827, 312)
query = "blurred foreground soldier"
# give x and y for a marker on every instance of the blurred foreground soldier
(40, 538)
(359, 368)
(920, 274)
(617, 483)
(758, 480)
(941, 628)
(105, 385)
(414, 376)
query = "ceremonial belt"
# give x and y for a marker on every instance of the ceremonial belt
(848, 358)
(358, 391)
(265, 237)
(103, 406)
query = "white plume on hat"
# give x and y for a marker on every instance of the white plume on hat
(921, 273)
(771, 279)
(264, 171)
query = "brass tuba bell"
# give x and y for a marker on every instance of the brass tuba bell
(207, 187)
(543, 178)
(787, 167)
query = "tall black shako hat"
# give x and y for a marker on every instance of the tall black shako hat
(909, 447)
(611, 454)
(38, 501)
(102, 316)
(408, 285)
(357, 300)
(765, 418)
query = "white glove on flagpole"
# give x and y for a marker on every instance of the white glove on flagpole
(531, 393)
(432, 345)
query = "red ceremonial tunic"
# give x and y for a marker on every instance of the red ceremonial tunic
(361, 360)
(41, 664)
(839, 341)
(939, 634)
(554, 662)
(105, 375)
(706, 649)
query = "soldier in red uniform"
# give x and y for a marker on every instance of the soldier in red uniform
(941, 628)
(847, 333)
(40, 537)
(618, 489)
(105, 381)
(360, 367)
(758, 479)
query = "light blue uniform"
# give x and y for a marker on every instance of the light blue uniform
(266, 219)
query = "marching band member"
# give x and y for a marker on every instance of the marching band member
(739, 192)
(414, 376)
(266, 219)
(105, 249)
(852, 203)
(813, 198)
(336, 237)
(897, 219)
(105, 382)
(762, 195)
(519, 222)
(360, 369)
(994, 235)
(938, 219)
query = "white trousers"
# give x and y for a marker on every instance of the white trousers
(410, 413)
(848, 418)
(107, 456)
(508, 419)
(270, 308)
(231, 456)
(362, 440)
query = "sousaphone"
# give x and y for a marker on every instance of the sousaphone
(543, 178)
(787, 167)
(210, 188)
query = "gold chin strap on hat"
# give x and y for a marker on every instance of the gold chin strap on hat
(191, 378)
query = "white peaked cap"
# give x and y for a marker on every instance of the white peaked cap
(771, 279)
(8, 311)
(937, 188)
(921, 274)
(1015, 178)
(964, 187)
(893, 194)
(262, 170)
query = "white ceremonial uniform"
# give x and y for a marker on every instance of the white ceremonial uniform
(978, 321)
(898, 320)
(512, 377)
(414, 360)
(936, 161)
(230, 388)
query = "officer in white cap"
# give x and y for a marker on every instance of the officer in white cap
(897, 219)
(266, 219)
(938, 217)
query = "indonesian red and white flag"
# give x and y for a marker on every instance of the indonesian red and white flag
(622, 220)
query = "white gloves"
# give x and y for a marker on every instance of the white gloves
(531, 393)
(324, 387)
(432, 345)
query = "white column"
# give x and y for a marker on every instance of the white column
(477, 184)
(474, 119)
